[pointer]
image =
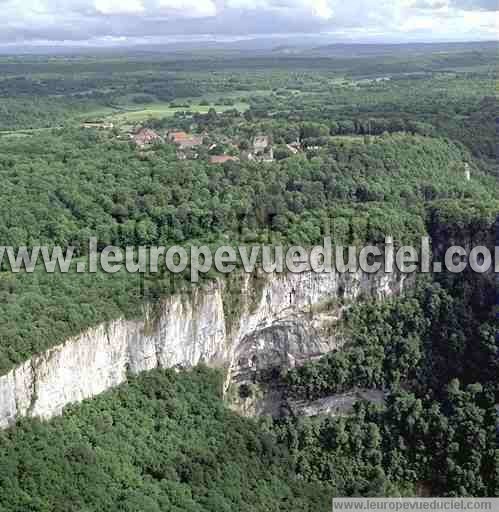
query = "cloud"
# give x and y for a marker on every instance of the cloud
(145, 20)
(118, 6)
(188, 8)
(430, 4)
(316, 8)
(322, 9)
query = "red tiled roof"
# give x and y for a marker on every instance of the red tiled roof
(185, 139)
(177, 136)
(145, 136)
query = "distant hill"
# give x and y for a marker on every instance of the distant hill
(361, 50)
(296, 45)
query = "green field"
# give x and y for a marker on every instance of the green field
(159, 110)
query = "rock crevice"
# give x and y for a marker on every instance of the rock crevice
(280, 320)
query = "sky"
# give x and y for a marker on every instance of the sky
(117, 22)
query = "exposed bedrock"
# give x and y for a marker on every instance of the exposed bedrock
(267, 321)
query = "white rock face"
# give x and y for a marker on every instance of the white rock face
(336, 405)
(270, 320)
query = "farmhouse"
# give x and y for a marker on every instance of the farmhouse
(185, 140)
(260, 144)
(98, 125)
(146, 136)
(262, 149)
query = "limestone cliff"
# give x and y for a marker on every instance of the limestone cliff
(267, 321)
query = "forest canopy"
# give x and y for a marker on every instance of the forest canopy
(363, 147)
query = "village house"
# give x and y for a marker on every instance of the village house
(260, 144)
(262, 149)
(146, 136)
(185, 140)
(98, 126)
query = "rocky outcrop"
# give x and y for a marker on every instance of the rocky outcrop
(263, 321)
(336, 405)
(270, 398)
